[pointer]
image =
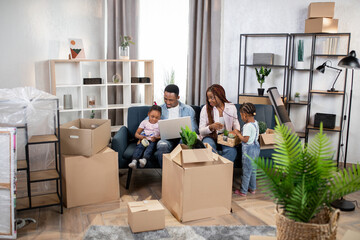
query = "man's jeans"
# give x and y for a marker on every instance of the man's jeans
(139, 150)
(165, 146)
(227, 152)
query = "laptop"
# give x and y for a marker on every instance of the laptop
(171, 128)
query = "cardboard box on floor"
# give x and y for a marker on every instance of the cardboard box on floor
(321, 9)
(91, 136)
(198, 187)
(146, 215)
(267, 139)
(89, 180)
(321, 25)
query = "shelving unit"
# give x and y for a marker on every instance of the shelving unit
(302, 79)
(49, 199)
(67, 78)
(261, 43)
(24, 159)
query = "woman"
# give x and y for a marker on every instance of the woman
(218, 114)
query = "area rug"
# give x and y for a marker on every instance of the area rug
(178, 233)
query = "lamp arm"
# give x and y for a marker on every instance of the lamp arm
(340, 70)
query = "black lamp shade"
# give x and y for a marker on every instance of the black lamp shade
(321, 68)
(350, 61)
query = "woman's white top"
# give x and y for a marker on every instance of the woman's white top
(230, 119)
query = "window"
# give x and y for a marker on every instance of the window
(163, 33)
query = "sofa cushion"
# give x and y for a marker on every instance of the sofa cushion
(135, 116)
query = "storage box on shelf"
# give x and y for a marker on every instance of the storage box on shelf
(67, 77)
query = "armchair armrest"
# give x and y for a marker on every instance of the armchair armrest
(119, 144)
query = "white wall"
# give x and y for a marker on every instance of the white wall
(33, 32)
(283, 16)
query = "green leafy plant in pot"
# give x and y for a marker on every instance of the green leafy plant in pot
(189, 138)
(303, 180)
(262, 127)
(261, 74)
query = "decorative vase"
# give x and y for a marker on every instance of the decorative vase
(323, 226)
(300, 53)
(261, 91)
(124, 52)
(297, 99)
(68, 101)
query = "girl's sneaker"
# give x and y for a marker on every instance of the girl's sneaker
(237, 192)
(142, 162)
(133, 164)
(251, 191)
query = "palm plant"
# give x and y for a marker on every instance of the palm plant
(303, 179)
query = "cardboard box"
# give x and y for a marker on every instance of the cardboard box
(89, 180)
(146, 216)
(267, 139)
(321, 25)
(197, 190)
(182, 154)
(91, 136)
(231, 142)
(321, 9)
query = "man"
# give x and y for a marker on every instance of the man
(173, 108)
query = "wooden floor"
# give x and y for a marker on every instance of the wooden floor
(73, 223)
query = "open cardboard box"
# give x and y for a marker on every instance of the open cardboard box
(198, 186)
(231, 142)
(146, 215)
(267, 139)
(84, 136)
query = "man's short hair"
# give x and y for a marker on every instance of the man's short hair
(172, 88)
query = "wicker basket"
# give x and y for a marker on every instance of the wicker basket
(322, 227)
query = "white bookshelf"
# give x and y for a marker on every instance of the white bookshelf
(66, 77)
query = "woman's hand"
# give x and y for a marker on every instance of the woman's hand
(216, 126)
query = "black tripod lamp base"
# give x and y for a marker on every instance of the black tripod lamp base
(343, 205)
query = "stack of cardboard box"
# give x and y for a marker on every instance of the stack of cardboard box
(320, 18)
(89, 168)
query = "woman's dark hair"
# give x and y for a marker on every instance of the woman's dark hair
(248, 108)
(155, 108)
(218, 91)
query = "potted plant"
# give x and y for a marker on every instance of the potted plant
(261, 74)
(124, 51)
(297, 97)
(189, 138)
(303, 180)
(262, 127)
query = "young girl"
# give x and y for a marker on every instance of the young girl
(250, 146)
(148, 129)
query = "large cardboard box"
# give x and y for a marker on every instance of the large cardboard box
(197, 190)
(267, 139)
(146, 216)
(89, 180)
(321, 9)
(321, 25)
(84, 136)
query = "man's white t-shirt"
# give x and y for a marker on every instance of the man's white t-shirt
(174, 112)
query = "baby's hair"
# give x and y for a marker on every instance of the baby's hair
(248, 108)
(155, 108)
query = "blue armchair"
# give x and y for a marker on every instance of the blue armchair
(124, 141)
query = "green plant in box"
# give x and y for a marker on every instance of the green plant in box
(189, 138)
(262, 127)
(303, 179)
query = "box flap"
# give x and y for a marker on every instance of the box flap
(183, 155)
